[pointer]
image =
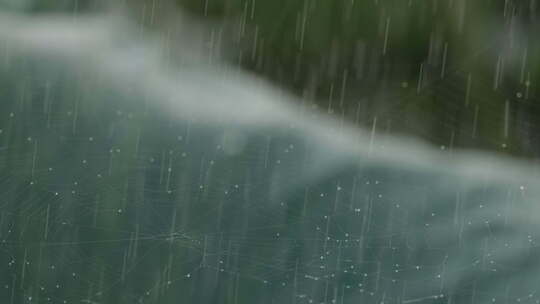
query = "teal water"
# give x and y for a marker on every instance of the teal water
(130, 177)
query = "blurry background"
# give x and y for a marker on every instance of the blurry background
(106, 201)
(454, 72)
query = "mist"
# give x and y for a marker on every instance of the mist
(132, 171)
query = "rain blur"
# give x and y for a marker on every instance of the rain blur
(269, 151)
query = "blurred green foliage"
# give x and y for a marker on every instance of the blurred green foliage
(451, 71)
